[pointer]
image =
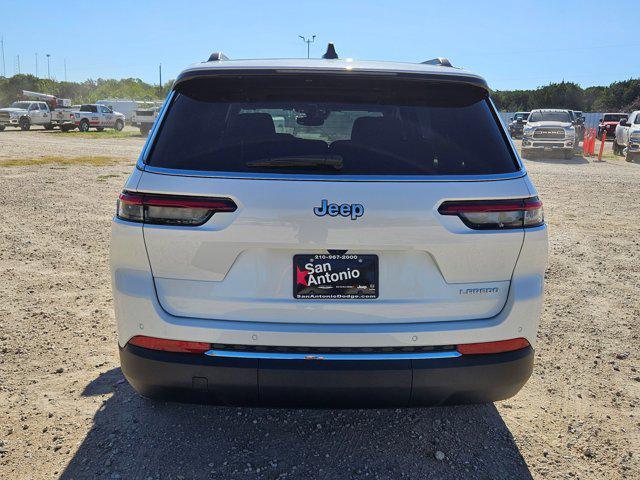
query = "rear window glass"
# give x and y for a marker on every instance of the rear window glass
(333, 126)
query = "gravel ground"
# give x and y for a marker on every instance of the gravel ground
(67, 411)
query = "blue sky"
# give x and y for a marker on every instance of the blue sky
(520, 44)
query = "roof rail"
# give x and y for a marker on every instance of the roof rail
(217, 56)
(438, 61)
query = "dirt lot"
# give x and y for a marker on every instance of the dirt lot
(68, 413)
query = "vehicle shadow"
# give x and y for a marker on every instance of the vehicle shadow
(577, 160)
(136, 438)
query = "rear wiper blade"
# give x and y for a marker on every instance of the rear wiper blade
(333, 161)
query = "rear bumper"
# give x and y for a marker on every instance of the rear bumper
(326, 383)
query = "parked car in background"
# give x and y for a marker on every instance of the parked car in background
(144, 116)
(98, 117)
(627, 137)
(518, 121)
(608, 123)
(376, 254)
(550, 130)
(47, 111)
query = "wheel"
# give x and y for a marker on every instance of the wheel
(1, 127)
(144, 129)
(568, 155)
(66, 128)
(631, 157)
(48, 126)
(526, 153)
(100, 129)
(84, 125)
(119, 125)
(25, 123)
(616, 148)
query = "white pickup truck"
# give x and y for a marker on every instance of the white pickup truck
(145, 115)
(98, 117)
(627, 139)
(25, 114)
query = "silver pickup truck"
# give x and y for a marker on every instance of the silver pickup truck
(25, 114)
(627, 138)
(550, 130)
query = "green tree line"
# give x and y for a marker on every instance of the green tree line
(88, 91)
(617, 97)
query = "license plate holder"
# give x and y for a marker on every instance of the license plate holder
(335, 276)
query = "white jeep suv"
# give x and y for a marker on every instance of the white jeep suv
(368, 252)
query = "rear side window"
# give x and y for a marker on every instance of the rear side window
(333, 126)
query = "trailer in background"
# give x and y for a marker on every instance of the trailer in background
(122, 105)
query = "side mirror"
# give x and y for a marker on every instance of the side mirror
(511, 118)
(623, 122)
(601, 120)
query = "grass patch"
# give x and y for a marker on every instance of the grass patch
(109, 133)
(52, 160)
(104, 178)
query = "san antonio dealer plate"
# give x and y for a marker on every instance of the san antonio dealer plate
(327, 276)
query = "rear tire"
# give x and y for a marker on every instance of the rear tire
(66, 128)
(25, 124)
(48, 126)
(1, 128)
(119, 125)
(84, 126)
(568, 155)
(144, 129)
(631, 157)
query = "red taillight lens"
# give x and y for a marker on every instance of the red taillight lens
(493, 347)
(496, 214)
(170, 209)
(177, 346)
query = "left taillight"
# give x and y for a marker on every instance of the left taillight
(496, 214)
(170, 209)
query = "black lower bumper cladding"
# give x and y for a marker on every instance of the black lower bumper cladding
(326, 383)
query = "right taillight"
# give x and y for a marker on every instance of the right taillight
(170, 209)
(496, 214)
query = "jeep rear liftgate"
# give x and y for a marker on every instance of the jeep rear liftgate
(330, 201)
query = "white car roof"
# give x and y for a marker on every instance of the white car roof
(304, 65)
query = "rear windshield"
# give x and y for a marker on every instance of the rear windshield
(333, 126)
(89, 108)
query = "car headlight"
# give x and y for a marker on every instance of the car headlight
(14, 114)
(528, 130)
(569, 132)
(77, 115)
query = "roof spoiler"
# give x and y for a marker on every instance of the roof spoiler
(217, 57)
(438, 61)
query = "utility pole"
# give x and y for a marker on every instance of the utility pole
(18, 63)
(36, 64)
(308, 41)
(160, 77)
(65, 69)
(48, 67)
(4, 73)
